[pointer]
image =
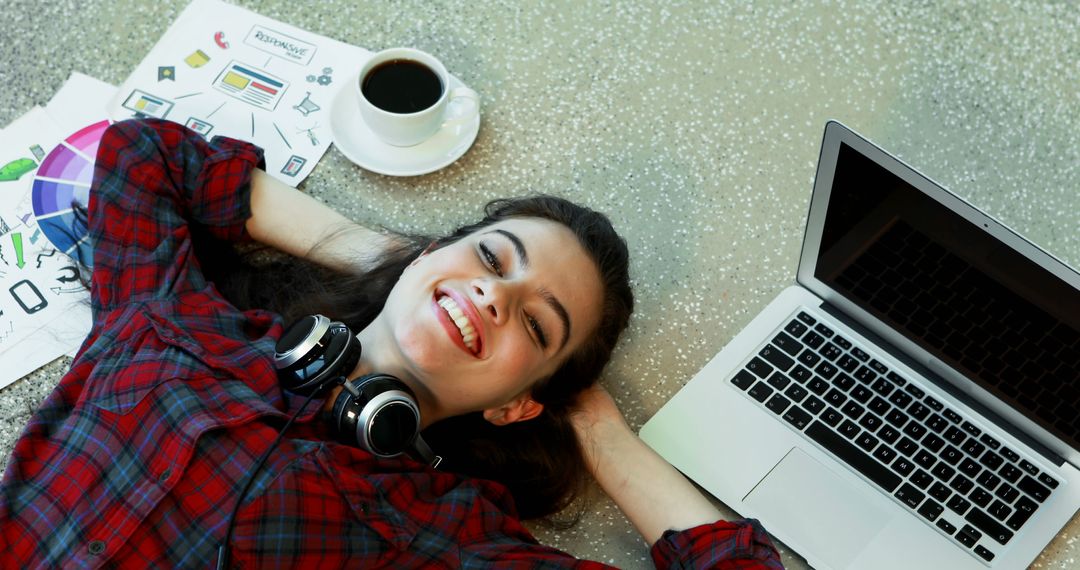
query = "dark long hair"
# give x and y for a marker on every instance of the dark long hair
(539, 460)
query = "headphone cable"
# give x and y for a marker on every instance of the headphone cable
(223, 550)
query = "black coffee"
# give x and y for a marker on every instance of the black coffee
(402, 86)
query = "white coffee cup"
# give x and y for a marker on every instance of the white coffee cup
(452, 107)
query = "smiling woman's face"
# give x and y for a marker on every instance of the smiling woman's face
(474, 324)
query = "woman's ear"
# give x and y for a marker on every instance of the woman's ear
(517, 410)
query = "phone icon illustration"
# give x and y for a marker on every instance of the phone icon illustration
(28, 297)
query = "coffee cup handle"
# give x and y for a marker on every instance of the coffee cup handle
(472, 107)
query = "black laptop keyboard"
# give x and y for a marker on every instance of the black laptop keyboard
(932, 459)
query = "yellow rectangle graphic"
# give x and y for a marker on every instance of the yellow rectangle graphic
(236, 80)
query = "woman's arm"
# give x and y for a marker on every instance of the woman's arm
(652, 493)
(293, 222)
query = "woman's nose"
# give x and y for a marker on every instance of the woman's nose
(492, 297)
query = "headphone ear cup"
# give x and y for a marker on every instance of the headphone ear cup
(314, 352)
(384, 420)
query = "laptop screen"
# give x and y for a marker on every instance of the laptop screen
(968, 299)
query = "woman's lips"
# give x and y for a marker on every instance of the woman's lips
(451, 328)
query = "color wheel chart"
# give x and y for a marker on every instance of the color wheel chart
(63, 177)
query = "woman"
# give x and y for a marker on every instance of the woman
(140, 454)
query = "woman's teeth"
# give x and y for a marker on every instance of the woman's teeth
(468, 333)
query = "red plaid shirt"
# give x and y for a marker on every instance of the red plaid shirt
(138, 456)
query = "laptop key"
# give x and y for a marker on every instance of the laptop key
(952, 416)
(1010, 473)
(866, 441)
(1032, 487)
(858, 353)
(806, 318)
(885, 454)
(933, 404)
(958, 504)
(943, 472)
(969, 467)
(759, 368)
(991, 527)
(879, 367)
(776, 357)
(848, 429)
(879, 406)
(899, 380)
(1048, 481)
(817, 386)
(984, 552)
(861, 393)
(844, 382)
(866, 376)
(831, 416)
(907, 447)
(946, 526)
(973, 447)
(951, 455)
(939, 491)
(813, 405)
(933, 443)
(961, 484)
(870, 422)
(882, 386)
(779, 381)
(1007, 493)
(743, 380)
(936, 423)
(971, 428)
(796, 393)
(1009, 454)
(809, 357)
(801, 374)
(912, 389)
(835, 397)
(901, 399)
(824, 330)
(1025, 507)
(915, 430)
(1029, 467)
(853, 456)
(999, 510)
(909, 495)
(925, 459)
(980, 497)
(889, 434)
(842, 342)
(831, 352)
(989, 441)
(930, 510)
(813, 340)
(955, 436)
(760, 392)
(847, 363)
(826, 370)
(798, 417)
(919, 411)
(970, 532)
(787, 344)
(796, 328)
(777, 404)
(920, 479)
(852, 410)
(988, 480)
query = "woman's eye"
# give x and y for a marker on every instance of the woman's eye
(538, 330)
(491, 259)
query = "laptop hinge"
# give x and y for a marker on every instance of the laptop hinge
(944, 385)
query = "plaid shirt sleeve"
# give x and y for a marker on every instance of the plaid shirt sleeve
(738, 545)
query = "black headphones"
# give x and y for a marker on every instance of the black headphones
(375, 412)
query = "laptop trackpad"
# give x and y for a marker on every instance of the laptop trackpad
(822, 514)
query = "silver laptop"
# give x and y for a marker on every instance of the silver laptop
(913, 401)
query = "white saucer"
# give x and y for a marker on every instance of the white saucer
(356, 141)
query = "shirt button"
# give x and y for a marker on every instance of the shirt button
(165, 475)
(96, 547)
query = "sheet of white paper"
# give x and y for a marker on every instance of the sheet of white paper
(223, 70)
(38, 284)
(31, 335)
(81, 100)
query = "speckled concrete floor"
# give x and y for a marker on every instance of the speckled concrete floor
(695, 125)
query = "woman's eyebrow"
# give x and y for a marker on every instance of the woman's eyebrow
(519, 247)
(549, 298)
